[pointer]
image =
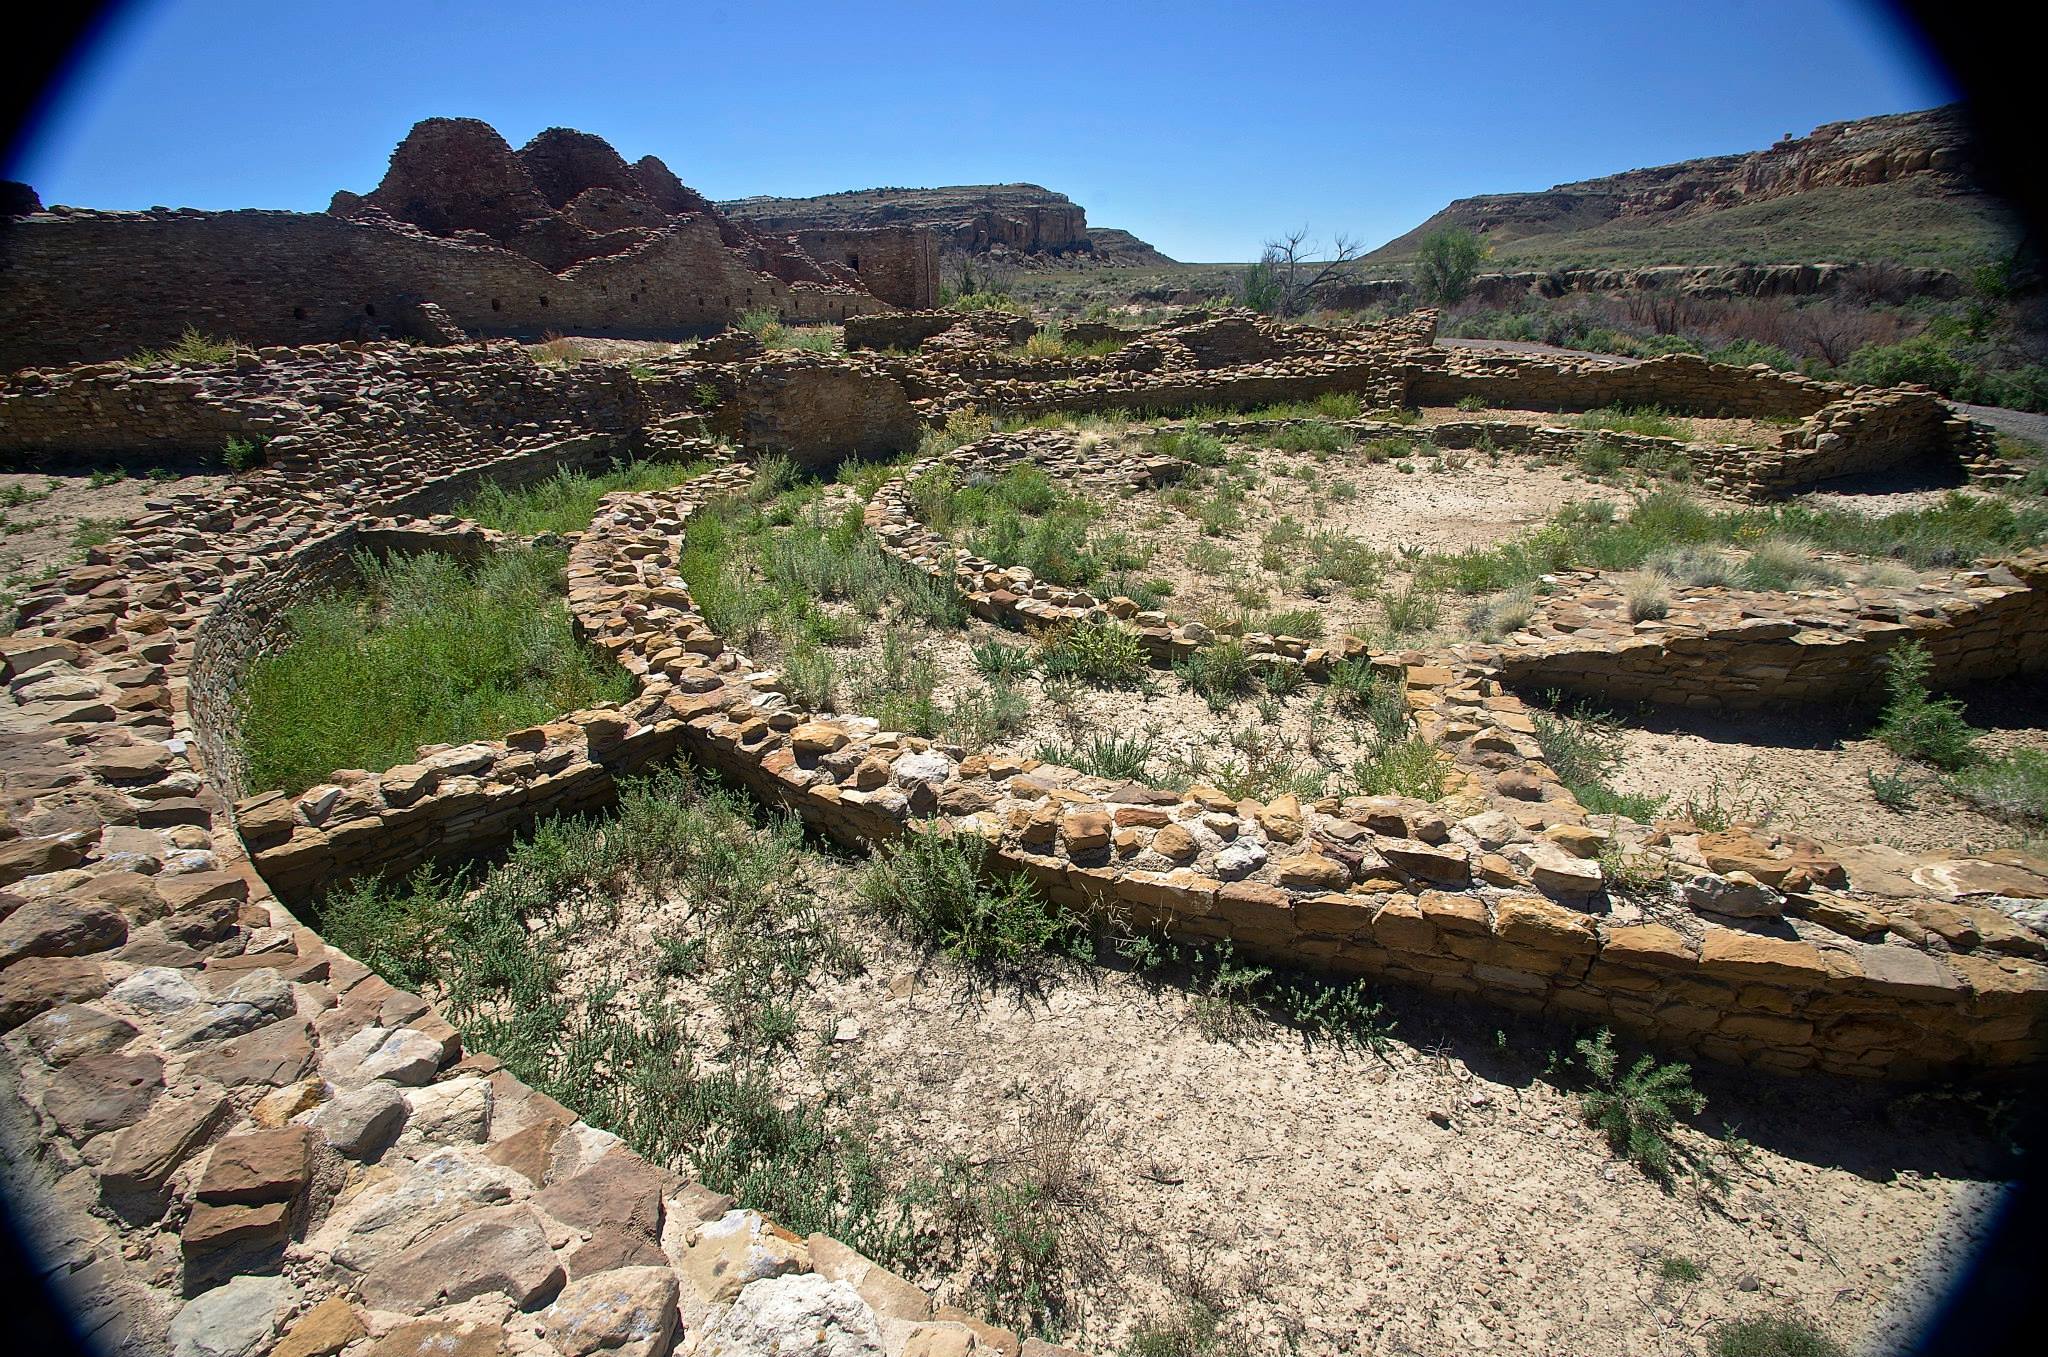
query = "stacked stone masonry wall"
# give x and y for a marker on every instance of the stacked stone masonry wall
(94, 286)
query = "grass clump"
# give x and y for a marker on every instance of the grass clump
(1638, 1109)
(1120, 758)
(566, 501)
(1021, 518)
(426, 650)
(1220, 674)
(1593, 534)
(1773, 1336)
(938, 890)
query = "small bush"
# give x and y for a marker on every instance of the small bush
(935, 887)
(242, 453)
(1412, 767)
(1192, 446)
(1314, 436)
(1637, 1111)
(1917, 725)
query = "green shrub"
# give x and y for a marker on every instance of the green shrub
(1917, 725)
(1647, 420)
(1446, 263)
(936, 888)
(1637, 1110)
(1315, 436)
(1103, 654)
(2013, 788)
(242, 453)
(1773, 1336)
(1192, 446)
(425, 651)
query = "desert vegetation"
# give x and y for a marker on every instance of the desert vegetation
(424, 650)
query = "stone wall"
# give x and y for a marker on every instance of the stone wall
(899, 264)
(1735, 650)
(1680, 382)
(85, 286)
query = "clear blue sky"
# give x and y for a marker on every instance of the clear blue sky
(1203, 127)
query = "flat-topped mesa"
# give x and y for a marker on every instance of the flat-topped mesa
(1906, 180)
(1020, 219)
(563, 235)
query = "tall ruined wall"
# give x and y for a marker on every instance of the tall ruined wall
(89, 286)
(899, 264)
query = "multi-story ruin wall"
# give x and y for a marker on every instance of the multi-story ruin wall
(899, 264)
(561, 236)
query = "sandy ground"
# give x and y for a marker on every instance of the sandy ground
(1810, 771)
(1444, 1198)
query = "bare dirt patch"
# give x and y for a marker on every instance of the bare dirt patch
(1810, 771)
(1443, 1198)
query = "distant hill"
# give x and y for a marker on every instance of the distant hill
(1023, 219)
(1897, 188)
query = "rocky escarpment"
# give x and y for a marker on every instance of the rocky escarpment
(1929, 150)
(563, 198)
(1022, 219)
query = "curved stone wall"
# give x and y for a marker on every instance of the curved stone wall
(282, 1134)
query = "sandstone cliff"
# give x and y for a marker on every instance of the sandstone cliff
(1898, 188)
(1022, 219)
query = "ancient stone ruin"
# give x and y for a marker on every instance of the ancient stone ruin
(464, 235)
(282, 1142)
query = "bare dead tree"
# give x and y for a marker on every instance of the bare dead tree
(1299, 267)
